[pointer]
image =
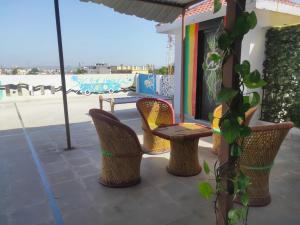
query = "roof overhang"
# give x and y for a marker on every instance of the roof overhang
(261, 6)
(279, 6)
(162, 11)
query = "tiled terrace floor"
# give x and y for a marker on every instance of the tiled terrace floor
(160, 199)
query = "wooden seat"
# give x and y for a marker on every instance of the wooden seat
(121, 151)
(155, 112)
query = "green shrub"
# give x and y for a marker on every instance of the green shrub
(281, 99)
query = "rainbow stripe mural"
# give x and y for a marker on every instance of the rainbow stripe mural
(190, 69)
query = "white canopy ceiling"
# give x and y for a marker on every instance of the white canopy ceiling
(162, 11)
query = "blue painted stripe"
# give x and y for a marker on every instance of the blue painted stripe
(51, 200)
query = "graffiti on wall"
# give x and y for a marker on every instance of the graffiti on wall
(156, 84)
(147, 84)
(88, 85)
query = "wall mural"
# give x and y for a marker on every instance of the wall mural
(89, 85)
(147, 84)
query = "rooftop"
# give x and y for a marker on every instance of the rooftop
(207, 5)
(160, 199)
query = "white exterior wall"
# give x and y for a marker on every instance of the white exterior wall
(177, 72)
(253, 50)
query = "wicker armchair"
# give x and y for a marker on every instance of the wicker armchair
(121, 151)
(215, 125)
(260, 150)
(104, 113)
(155, 112)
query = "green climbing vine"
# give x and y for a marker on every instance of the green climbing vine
(232, 128)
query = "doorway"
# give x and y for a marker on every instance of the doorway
(206, 88)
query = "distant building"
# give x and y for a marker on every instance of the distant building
(131, 69)
(98, 68)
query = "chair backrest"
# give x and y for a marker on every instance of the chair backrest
(261, 147)
(249, 114)
(104, 113)
(116, 139)
(217, 114)
(155, 112)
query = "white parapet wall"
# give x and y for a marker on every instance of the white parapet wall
(22, 85)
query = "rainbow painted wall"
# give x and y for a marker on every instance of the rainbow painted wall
(190, 69)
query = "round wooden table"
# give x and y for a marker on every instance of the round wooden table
(184, 138)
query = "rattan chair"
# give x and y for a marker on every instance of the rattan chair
(104, 113)
(259, 152)
(155, 112)
(121, 151)
(217, 114)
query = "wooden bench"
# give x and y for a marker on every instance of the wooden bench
(126, 99)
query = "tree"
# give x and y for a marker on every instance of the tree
(15, 71)
(80, 71)
(34, 71)
(162, 71)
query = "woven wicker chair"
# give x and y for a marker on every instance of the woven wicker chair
(104, 113)
(155, 112)
(260, 150)
(121, 151)
(215, 125)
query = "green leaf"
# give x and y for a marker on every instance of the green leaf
(215, 57)
(244, 199)
(233, 216)
(245, 131)
(254, 76)
(235, 150)
(246, 99)
(254, 99)
(210, 117)
(206, 190)
(241, 26)
(242, 181)
(243, 68)
(230, 130)
(206, 167)
(236, 214)
(226, 95)
(252, 20)
(252, 85)
(217, 5)
(244, 108)
(224, 41)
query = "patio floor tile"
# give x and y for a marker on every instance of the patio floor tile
(160, 198)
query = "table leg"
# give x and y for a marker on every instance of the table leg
(184, 158)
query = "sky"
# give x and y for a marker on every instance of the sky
(91, 34)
